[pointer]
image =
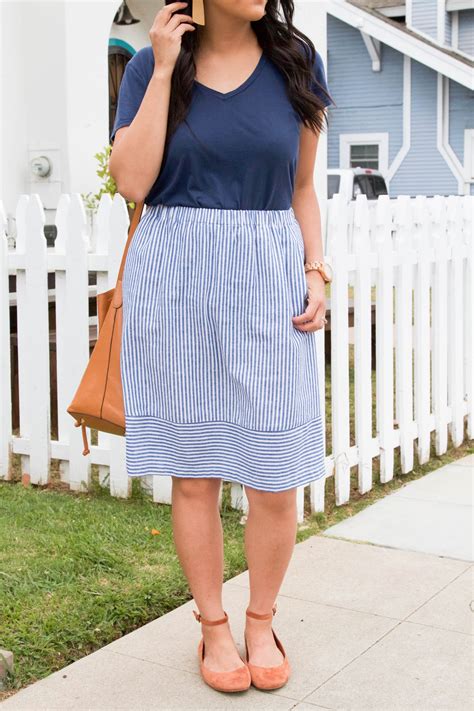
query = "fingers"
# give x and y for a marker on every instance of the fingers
(312, 317)
(172, 20)
(167, 11)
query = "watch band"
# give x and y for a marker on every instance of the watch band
(320, 267)
(309, 266)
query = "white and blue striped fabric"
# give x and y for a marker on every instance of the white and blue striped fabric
(217, 381)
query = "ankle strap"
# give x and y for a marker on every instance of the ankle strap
(266, 616)
(201, 619)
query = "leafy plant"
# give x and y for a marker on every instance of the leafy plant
(91, 200)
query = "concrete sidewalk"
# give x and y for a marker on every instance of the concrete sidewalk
(364, 626)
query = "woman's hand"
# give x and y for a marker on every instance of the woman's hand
(312, 318)
(165, 35)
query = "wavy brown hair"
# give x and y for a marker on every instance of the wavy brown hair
(278, 38)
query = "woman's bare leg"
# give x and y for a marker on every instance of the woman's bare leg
(270, 535)
(197, 532)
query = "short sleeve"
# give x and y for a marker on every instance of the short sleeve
(319, 84)
(131, 92)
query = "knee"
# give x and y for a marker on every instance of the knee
(196, 489)
(275, 502)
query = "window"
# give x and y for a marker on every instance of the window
(364, 156)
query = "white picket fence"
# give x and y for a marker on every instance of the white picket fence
(416, 254)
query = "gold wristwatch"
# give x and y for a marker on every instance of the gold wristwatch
(323, 268)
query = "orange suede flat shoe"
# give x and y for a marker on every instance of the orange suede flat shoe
(268, 677)
(235, 680)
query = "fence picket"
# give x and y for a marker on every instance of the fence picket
(33, 339)
(338, 226)
(72, 329)
(384, 374)
(362, 343)
(439, 328)
(404, 330)
(455, 323)
(468, 310)
(422, 278)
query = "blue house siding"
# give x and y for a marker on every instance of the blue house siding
(424, 170)
(448, 28)
(424, 16)
(466, 31)
(367, 101)
(461, 116)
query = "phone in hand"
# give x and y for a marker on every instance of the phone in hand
(195, 9)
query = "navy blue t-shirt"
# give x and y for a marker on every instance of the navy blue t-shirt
(237, 149)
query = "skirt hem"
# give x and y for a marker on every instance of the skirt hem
(267, 460)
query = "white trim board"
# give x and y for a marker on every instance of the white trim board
(469, 155)
(442, 134)
(405, 147)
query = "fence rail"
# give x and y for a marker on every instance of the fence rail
(409, 259)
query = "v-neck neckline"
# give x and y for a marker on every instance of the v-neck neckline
(238, 89)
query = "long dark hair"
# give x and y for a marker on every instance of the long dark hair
(278, 38)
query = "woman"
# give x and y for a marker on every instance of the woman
(216, 129)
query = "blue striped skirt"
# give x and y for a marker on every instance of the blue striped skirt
(217, 381)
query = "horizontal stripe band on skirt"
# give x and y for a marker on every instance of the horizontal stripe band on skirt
(217, 381)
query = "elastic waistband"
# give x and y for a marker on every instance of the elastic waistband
(224, 216)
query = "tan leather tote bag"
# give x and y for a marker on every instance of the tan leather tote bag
(98, 401)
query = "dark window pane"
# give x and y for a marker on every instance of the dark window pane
(364, 156)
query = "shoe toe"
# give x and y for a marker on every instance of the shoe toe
(236, 680)
(270, 677)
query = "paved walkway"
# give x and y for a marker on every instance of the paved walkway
(386, 627)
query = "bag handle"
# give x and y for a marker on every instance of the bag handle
(137, 213)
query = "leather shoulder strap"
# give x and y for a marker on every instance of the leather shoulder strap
(137, 213)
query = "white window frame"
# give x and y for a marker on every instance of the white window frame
(469, 155)
(346, 140)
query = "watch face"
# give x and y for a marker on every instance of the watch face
(328, 271)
